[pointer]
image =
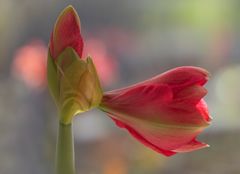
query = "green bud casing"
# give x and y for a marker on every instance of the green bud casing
(73, 83)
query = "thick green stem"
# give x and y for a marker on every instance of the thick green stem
(65, 162)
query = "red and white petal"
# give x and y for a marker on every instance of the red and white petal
(164, 139)
(155, 103)
(165, 113)
(140, 138)
(191, 146)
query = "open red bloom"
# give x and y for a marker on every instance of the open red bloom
(165, 113)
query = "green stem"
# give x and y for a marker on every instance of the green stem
(65, 162)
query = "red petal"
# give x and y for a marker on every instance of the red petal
(190, 94)
(140, 138)
(144, 102)
(66, 33)
(203, 110)
(182, 76)
(141, 94)
(176, 78)
(165, 113)
(167, 141)
(191, 146)
(155, 103)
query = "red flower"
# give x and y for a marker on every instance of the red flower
(72, 81)
(165, 113)
(66, 33)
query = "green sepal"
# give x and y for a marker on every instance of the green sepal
(78, 85)
(52, 78)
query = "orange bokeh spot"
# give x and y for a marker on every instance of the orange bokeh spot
(29, 64)
(106, 64)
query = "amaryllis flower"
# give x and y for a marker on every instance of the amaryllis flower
(29, 64)
(165, 113)
(73, 81)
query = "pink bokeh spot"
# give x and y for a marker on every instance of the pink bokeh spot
(29, 64)
(106, 64)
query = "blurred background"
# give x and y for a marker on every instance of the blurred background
(130, 41)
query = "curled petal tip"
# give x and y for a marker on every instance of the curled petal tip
(185, 75)
(69, 10)
(69, 7)
(193, 145)
(194, 68)
(204, 72)
(203, 110)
